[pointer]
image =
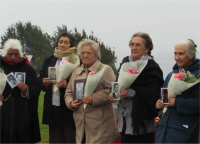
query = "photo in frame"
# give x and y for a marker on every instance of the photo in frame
(79, 87)
(115, 90)
(20, 76)
(164, 95)
(12, 81)
(52, 74)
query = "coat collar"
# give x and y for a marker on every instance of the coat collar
(92, 68)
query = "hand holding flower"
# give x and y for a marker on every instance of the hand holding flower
(87, 100)
(62, 84)
(123, 93)
(171, 102)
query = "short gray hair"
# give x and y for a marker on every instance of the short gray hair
(190, 47)
(91, 43)
(14, 44)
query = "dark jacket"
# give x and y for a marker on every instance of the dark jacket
(147, 87)
(180, 124)
(19, 116)
(59, 115)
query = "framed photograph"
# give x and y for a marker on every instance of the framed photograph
(164, 94)
(20, 76)
(79, 86)
(12, 81)
(52, 73)
(115, 90)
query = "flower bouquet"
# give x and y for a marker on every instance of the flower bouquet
(92, 81)
(129, 72)
(180, 82)
(67, 66)
(2, 83)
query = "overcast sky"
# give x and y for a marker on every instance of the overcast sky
(114, 22)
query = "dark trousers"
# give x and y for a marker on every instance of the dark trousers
(61, 134)
(141, 138)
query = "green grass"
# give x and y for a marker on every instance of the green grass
(44, 129)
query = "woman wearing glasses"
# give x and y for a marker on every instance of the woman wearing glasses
(136, 112)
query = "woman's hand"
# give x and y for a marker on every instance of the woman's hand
(171, 102)
(62, 84)
(159, 104)
(87, 100)
(22, 86)
(46, 82)
(111, 98)
(75, 104)
(123, 93)
(1, 97)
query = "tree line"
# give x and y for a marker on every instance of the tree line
(40, 44)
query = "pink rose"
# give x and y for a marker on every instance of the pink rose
(65, 60)
(129, 70)
(135, 72)
(179, 75)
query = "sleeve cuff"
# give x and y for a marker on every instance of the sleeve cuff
(131, 93)
(26, 95)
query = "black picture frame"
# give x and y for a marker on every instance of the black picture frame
(79, 89)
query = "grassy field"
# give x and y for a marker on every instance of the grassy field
(44, 129)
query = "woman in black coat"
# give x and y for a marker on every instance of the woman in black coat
(19, 115)
(56, 114)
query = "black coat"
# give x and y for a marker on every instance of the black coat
(19, 116)
(147, 87)
(59, 115)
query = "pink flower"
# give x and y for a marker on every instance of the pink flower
(130, 70)
(92, 73)
(179, 75)
(65, 60)
(135, 72)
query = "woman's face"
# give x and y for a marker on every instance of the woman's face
(138, 48)
(181, 56)
(64, 43)
(88, 56)
(13, 55)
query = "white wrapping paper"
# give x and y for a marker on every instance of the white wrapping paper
(65, 69)
(176, 87)
(2, 84)
(125, 79)
(92, 82)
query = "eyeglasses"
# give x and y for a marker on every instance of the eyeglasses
(137, 45)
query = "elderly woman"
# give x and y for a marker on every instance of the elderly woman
(55, 113)
(96, 123)
(180, 123)
(19, 116)
(136, 112)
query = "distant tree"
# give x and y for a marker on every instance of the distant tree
(107, 55)
(33, 40)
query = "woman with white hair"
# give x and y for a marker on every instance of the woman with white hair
(95, 123)
(19, 116)
(180, 123)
